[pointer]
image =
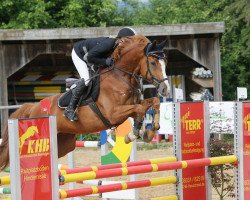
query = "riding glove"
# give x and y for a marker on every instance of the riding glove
(109, 61)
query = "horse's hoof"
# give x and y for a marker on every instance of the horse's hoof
(148, 136)
(155, 127)
(130, 138)
(127, 140)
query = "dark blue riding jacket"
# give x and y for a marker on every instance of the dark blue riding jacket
(95, 50)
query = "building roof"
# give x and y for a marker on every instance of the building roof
(76, 33)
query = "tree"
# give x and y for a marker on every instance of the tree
(221, 175)
(235, 42)
(28, 14)
(25, 14)
(71, 15)
(236, 48)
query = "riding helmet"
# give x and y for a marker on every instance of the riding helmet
(127, 31)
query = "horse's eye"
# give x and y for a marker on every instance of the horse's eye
(153, 63)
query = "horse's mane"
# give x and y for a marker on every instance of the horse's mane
(129, 43)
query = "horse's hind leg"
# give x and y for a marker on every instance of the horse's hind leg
(66, 143)
(155, 104)
(150, 133)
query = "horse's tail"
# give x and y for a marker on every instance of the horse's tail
(22, 112)
(4, 150)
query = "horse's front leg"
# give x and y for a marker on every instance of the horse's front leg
(120, 113)
(148, 135)
(130, 137)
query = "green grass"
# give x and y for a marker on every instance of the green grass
(150, 146)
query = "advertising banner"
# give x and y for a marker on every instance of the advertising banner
(166, 118)
(193, 147)
(222, 117)
(35, 161)
(246, 148)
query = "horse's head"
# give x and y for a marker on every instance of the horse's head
(137, 55)
(154, 68)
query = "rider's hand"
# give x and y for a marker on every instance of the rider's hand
(109, 61)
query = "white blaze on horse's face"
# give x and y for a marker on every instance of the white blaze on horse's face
(164, 87)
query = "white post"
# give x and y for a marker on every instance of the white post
(14, 159)
(238, 151)
(241, 93)
(54, 157)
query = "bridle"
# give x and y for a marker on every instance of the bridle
(159, 54)
(153, 80)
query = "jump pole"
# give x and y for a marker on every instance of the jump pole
(118, 186)
(243, 123)
(5, 180)
(118, 165)
(147, 168)
(135, 170)
(5, 190)
(88, 144)
(171, 197)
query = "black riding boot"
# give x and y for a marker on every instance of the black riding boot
(70, 111)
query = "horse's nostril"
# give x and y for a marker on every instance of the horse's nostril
(164, 91)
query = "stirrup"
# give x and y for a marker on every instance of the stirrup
(70, 114)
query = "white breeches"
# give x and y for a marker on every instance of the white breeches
(81, 67)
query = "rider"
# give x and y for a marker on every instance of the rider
(85, 54)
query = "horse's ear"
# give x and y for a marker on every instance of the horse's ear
(160, 46)
(150, 47)
(154, 46)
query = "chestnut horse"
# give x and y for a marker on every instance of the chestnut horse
(119, 98)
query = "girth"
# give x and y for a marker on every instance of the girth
(97, 111)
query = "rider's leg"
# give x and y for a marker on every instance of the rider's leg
(78, 87)
(81, 67)
(77, 90)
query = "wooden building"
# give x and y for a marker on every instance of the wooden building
(34, 63)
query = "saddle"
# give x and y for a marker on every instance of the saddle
(90, 94)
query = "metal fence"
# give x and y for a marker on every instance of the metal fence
(3, 114)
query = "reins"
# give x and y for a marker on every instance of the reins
(137, 77)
